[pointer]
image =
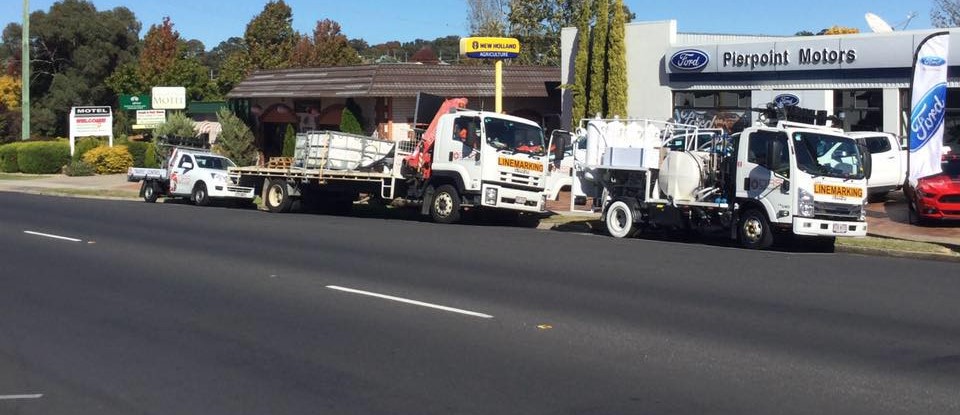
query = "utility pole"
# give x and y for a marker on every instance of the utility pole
(25, 73)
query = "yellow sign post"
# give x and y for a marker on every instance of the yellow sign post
(498, 48)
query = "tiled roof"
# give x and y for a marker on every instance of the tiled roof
(397, 80)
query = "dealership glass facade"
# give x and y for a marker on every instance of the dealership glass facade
(713, 109)
(860, 109)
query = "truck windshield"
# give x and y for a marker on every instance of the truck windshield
(828, 155)
(213, 162)
(514, 136)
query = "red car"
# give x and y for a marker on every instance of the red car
(936, 197)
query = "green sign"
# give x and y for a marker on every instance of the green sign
(135, 102)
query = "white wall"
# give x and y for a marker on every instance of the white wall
(891, 111)
(648, 94)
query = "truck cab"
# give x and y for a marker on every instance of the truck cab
(800, 178)
(488, 160)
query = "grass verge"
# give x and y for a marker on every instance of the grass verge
(872, 242)
(119, 194)
(14, 176)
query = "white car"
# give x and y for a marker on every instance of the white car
(889, 159)
(197, 174)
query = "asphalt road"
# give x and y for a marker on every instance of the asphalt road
(174, 309)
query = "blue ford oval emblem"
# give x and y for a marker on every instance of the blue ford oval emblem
(933, 61)
(689, 60)
(927, 116)
(786, 100)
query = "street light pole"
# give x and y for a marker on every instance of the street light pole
(25, 73)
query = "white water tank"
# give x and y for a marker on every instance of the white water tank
(680, 175)
(615, 134)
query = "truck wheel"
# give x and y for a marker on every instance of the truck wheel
(755, 231)
(445, 207)
(278, 198)
(200, 196)
(620, 219)
(150, 194)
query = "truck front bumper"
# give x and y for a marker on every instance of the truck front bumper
(819, 227)
(512, 199)
(230, 191)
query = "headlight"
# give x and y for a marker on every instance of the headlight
(923, 193)
(220, 177)
(804, 203)
(490, 196)
(863, 211)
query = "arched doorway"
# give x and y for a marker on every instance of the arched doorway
(273, 127)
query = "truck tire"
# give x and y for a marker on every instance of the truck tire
(150, 193)
(445, 206)
(199, 195)
(620, 219)
(278, 198)
(754, 230)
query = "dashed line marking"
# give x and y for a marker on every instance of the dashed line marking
(409, 301)
(27, 396)
(47, 235)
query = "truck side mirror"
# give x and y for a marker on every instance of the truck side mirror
(866, 160)
(559, 139)
(187, 165)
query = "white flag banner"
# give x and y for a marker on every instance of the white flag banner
(928, 106)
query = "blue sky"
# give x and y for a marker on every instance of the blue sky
(378, 21)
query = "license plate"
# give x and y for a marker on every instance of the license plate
(521, 200)
(240, 194)
(839, 228)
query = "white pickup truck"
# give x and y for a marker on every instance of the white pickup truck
(889, 158)
(191, 173)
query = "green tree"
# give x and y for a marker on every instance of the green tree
(581, 64)
(270, 38)
(349, 122)
(617, 64)
(217, 56)
(74, 48)
(596, 104)
(289, 142)
(235, 140)
(945, 13)
(160, 53)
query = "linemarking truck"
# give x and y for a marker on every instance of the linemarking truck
(764, 183)
(464, 159)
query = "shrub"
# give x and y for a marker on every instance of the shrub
(236, 140)
(150, 158)
(43, 157)
(84, 145)
(349, 122)
(78, 168)
(138, 150)
(177, 125)
(8, 158)
(109, 160)
(289, 141)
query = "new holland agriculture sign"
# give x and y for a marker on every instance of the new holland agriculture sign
(490, 47)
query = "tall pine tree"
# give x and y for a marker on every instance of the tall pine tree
(617, 64)
(581, 64)
(598, 61)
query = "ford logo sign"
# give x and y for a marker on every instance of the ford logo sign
(786, 100)
(927, 116)
(933, 61)
(689, 60)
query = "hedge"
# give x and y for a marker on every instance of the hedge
(83, 145)
(8, 158)
(109, 160)
(45, 157)
(138, 150)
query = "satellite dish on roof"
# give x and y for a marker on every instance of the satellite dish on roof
(877, 25)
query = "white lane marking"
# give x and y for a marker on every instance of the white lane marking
(408, 301)
(11, 397)
(47, 235)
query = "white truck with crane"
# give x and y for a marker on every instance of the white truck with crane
(785, 178)
(464, 159)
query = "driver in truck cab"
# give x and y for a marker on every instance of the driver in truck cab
(466, 133)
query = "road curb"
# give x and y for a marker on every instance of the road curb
(896, 253)
(48, 192)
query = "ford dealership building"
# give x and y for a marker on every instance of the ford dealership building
(714, 79)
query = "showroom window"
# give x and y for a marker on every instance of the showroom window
(729, 110)
(861, 109)
(951, 133)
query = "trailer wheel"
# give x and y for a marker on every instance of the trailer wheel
(150, 191)
(445, 206)
(200, 196)
(278, 198)
(620, 219)
(755, 231)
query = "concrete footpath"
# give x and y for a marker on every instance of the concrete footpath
(886, 219)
